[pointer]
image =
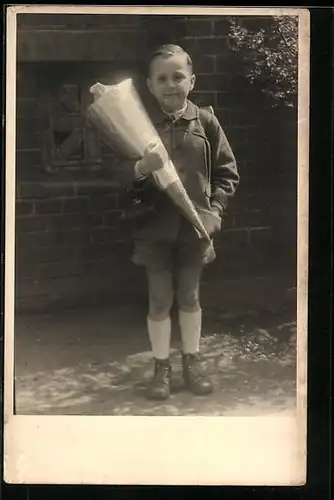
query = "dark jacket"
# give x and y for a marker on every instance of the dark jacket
(206, 166)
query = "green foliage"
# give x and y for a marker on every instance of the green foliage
(269, 48)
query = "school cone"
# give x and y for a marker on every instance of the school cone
(124, 124)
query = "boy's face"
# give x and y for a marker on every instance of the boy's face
(170, 81)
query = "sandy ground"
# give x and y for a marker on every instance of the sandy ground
(97, 362)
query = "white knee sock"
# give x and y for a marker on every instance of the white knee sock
(190, 326)
(160, 336)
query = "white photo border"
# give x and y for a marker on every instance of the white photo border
(268, 451)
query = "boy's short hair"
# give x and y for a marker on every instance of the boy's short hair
(168, 50)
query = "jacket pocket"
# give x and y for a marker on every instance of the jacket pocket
(211, 221)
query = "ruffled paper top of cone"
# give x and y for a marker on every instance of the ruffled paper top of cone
(119, 113)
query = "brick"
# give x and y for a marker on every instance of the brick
(34, 240)
(262, 243)
(52, 270)
(73, 221)
(228, 63)
(23, 208)
(72, 252)
(26, 85)
(90, 188)
(228, 221)
(75, 237)
(26, 125)
(107, 264)
(232, 242)
(59, 189)
(204, 64)
(103, 235)
(213, 46)
(76, 268)
(257, 200)
(29, 140)
(48, 207)
(253, 218)
(40, 21)
(77, 21)
(27, 107)
(53, 45)
(100, 249)
(223, 100)
(128, 20)
(54, 222)
(237, 100)
(221, 27)
(75, 205)
(31, 255)
(31, 191)
(204, 98)
(223, 117)
(243, 117)
(236, 134)
(105, 202)
(25, 273)
(25, 160)
(80, 21)
(85, 45)
(112, 219)
(217, 83)
(192, 46)
(199, 28)
(59, 270)
(31, 224)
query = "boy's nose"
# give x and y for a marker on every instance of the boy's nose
(171, 84)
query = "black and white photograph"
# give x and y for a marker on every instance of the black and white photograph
(159, 218)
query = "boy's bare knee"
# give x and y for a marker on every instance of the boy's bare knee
(189, 302)
(159, 310)
(159, 313)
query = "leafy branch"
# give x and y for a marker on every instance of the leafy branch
(269, 49)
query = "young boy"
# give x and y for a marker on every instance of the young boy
(166, 241)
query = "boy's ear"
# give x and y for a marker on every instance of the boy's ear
(149, 85)
(192, 82)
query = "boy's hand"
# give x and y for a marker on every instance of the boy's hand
(153, 159)
(216, 221)
(215, 211)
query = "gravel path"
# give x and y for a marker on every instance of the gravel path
(98, 363)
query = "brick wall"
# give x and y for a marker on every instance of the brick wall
(70, 246)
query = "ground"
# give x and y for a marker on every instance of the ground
(97, 362)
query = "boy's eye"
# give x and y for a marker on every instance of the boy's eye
(162, 78)
(176, 77)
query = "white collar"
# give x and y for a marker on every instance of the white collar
(177, 114)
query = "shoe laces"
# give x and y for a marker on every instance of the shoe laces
(161, 372)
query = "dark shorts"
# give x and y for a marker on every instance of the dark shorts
(167, 254)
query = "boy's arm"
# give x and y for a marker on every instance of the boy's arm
(138, 170)
(224, 173)
(129, 173)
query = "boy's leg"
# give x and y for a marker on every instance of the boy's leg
(156, 258)
(159, 329)
(190, 318)
(160, 286)
(190, 312)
